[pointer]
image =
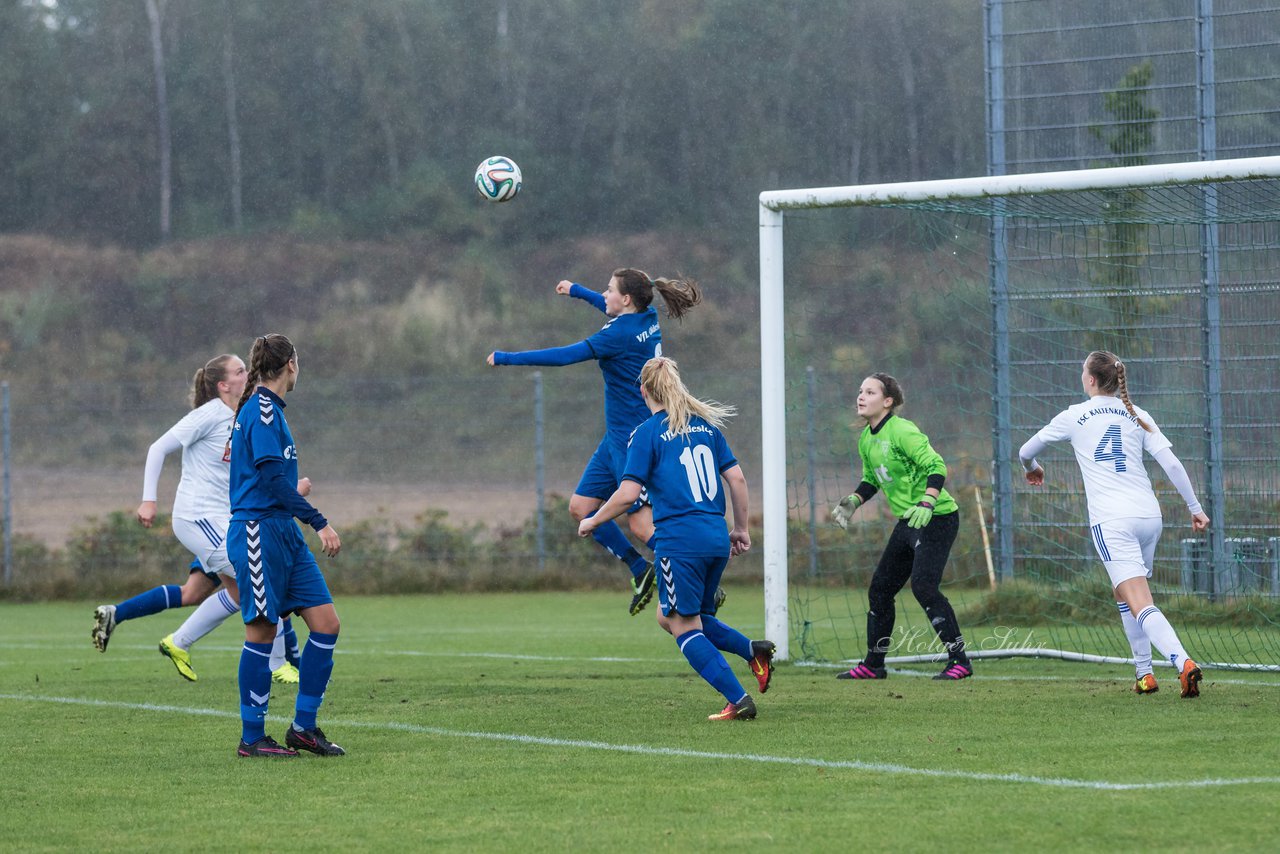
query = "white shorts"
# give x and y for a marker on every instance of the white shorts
(207, 540)
(1127, 546)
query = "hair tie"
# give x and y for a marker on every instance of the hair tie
(1118, 365)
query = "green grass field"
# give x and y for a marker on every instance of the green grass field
(551, 722)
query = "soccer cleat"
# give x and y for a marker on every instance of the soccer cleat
(762, 662)
(718, 601)
(643, 587)
(862, 671)
(312, 741)
(955, 670)
(1190, 679)
(744, 710)
(285, 674)
(1146, 684)
(104, 623)
(180, 657)
(266, 747)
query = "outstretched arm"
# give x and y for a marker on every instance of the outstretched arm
(554, 357)
(569, 289)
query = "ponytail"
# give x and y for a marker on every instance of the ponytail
(678, 294)
(204, 385)
(660, 378)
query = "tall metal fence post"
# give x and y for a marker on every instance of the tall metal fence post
(540, 470)
(810, 430)
(8, 504)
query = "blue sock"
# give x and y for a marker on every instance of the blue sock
(616, 543)
(290, 643)
(726, 637)
(653, 538)
(710, 664)
(313, 678)
(255, 690)
(153, 601)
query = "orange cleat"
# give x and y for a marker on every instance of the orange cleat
(744, 710)
(1190, 679)
(1146, 684)
(762, 663)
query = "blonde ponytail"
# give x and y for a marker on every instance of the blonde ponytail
(660, 378)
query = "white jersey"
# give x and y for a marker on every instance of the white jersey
(1109, 443)
(205, 488)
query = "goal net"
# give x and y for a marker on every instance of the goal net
(983, 296)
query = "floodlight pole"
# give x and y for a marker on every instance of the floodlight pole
(773, 431)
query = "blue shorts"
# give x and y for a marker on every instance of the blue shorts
(603, 474)
(687, 585)
(276, 571)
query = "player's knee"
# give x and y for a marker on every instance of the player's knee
(580, 509)
(663, 621)
(927, 594)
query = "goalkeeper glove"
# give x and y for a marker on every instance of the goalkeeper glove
(841, 513)
(919, 516)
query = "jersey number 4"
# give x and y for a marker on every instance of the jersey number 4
(1111, 448)
(700, 467)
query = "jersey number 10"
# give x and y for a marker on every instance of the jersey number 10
(700, 467)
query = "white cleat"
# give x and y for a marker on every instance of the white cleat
(104, 623)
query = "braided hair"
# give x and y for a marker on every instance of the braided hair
(269, 355)
(1108, 371)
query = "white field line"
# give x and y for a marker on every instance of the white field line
(648, 750)
(1210, 678)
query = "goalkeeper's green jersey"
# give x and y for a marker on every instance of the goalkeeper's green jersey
(897, 458)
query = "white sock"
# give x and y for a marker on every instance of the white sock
(204, 619)
(277, 648)
(1162, 635)
(1139, 643)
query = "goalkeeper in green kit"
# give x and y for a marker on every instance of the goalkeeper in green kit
(897, 458)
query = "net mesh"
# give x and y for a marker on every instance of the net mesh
(1181, 281)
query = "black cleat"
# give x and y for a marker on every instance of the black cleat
(862, 671)
(643, 588)
(312, 741)
(266, 747)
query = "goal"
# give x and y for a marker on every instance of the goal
(983, 295)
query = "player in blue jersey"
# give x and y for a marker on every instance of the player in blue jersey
(201, 511)
(275, 569)
(680, 456)
(628, 339)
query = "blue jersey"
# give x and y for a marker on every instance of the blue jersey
(621, 348)
(682, 473)
(260, 435)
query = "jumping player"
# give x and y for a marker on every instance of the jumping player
(897, 458)
(275, 569)
(631, 337)
(200, 515)
(1108, 434)
(679, 455)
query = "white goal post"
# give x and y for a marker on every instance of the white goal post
(774, 204)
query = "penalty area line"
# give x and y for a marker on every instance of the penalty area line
(684, 753)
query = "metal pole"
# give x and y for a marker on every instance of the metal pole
(1001, 440)
(1211, 344)
(8, 502)
(540, 470)
(813, 469)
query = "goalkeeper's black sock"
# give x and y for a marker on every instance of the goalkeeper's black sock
(879, 627)
(943, 618)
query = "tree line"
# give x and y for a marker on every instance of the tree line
(136, 121)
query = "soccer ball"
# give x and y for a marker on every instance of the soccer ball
(498, 179)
